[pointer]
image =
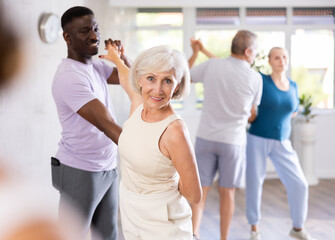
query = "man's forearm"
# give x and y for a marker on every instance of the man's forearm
(113, 133)
(208, 53)
(126, 61)
(192, 59)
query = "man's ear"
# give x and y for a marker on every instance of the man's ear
(248, 52)
(67, 38)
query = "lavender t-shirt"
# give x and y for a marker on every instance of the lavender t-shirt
(82, 145)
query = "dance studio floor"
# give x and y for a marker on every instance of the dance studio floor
(275, 223)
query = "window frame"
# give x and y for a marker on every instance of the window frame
(190, 26)
(289, 29)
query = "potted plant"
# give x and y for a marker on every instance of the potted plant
(306, 103)
(307, 137)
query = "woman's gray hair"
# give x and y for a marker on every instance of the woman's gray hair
(162, 59)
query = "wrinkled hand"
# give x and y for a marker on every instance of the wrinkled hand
(121, 50)
(195, 45)
(202, 48)
(115, 50)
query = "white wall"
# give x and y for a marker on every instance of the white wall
(30, 130)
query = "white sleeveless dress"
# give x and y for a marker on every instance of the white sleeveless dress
(150, 203)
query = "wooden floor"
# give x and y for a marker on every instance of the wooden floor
(275, 223)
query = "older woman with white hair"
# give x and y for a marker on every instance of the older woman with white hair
(158, 167)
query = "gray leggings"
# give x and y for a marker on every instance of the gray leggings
(94, 194)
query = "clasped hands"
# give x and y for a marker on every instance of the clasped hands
(115, 51)
(196, 45)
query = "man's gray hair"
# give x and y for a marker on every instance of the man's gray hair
(243, 39)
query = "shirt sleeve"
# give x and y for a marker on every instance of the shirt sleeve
(73, 89)
(259, 90)
(198, 72)
(105, 69)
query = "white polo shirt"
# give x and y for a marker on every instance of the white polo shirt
(231, 88)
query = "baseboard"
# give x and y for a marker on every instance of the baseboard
(271, 175)
(325, 173)
(320, 173)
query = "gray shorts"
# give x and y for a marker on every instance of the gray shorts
(228, 159)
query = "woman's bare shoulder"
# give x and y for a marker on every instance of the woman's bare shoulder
(176, 131)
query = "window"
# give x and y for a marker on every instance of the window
(150, 38)
(309, 37)
(265, 16)
(267, 40)
(218, 16)
(219, 43)
(159, 17)
(312, 63)
(313, 16)
(159, 26)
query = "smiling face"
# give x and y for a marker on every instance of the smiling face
(157, 89)
(82, 37)
(278, 59)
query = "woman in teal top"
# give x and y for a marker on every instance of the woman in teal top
(269, 137)
(275, 110)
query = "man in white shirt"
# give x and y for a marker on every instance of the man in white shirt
(231, 91)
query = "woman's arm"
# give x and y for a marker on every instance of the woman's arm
(114, 56)
(195, 48)
(114, 77)
(205, 51)
(253, 115)
(176, 145)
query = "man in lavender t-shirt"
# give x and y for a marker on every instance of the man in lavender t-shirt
(84, 168)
